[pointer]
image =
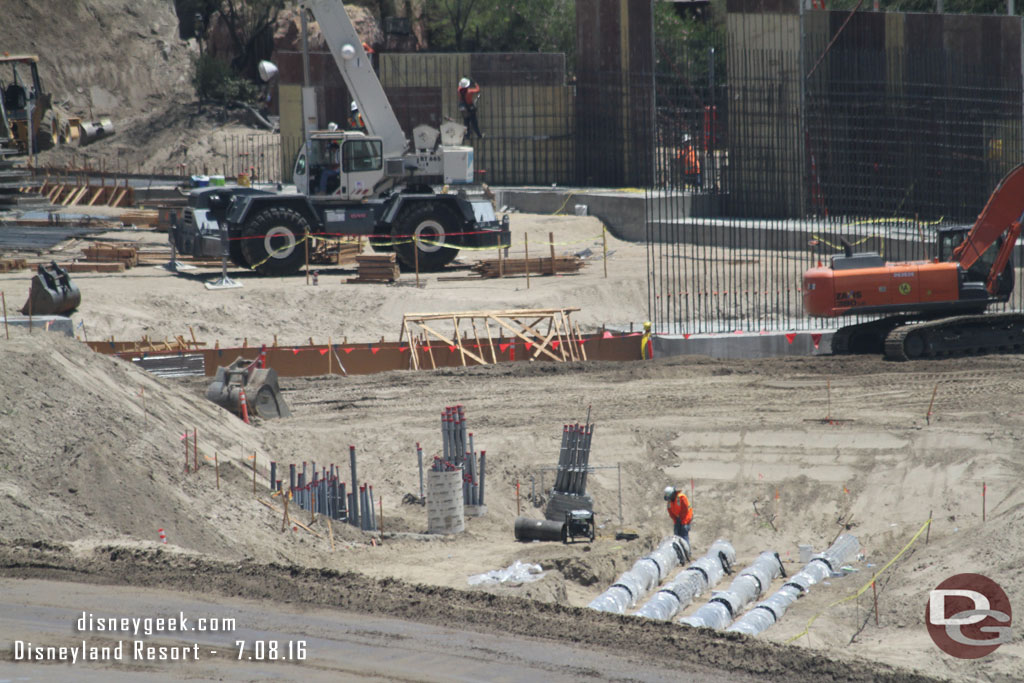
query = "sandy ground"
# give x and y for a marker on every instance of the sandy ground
(92, 458)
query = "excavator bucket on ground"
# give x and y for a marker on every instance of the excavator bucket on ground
(52, 292)
(262, 393)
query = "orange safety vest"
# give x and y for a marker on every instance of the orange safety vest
(688, 156)
(679, 508)
(467, 96)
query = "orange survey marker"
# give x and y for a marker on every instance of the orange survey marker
(244, 406)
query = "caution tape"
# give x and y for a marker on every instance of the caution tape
(865, 586)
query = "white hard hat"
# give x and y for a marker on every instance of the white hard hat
(669, 492)
(354, 107)
(686, 138)
(464, 83)
(332, 126)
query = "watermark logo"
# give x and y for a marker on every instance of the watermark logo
(968, 616)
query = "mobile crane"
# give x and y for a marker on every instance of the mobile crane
(931, 308)
(352, 182)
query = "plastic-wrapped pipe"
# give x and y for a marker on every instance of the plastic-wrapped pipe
(702, 574)
(751, 582)
(645, 574)
(766, 613)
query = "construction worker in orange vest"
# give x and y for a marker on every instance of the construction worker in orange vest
(680, 511)
(469, 93)
(687, 157)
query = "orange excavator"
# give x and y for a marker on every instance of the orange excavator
(933, 308)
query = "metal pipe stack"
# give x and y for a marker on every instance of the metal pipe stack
(323, 491)
(458, 452)
(574, 459)
(570, 488)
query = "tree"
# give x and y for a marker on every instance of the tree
(502, 25)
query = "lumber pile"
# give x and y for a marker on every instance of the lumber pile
(520, 266)
(9, 264)
(127, 255)
(147, 217)
(338, 253)
(376, 268)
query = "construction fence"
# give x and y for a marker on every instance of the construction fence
(798, 145)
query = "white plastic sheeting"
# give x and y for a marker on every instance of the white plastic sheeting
(646, 573)
(744, 589)
(704, 573)
(769, 611)
(517, 572)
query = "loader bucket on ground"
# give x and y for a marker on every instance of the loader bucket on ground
(52, 292)
(262, 392)
(264, 395)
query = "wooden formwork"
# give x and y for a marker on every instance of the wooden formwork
(559, 342)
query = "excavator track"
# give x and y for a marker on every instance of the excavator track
(965, 335)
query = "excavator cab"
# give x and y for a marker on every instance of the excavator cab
(24, 106)
(973, 280)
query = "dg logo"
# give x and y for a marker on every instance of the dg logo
(968, 616)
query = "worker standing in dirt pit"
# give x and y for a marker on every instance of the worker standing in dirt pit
(646, 345)
(680, 511)
(469, 91)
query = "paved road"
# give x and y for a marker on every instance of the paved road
(337, 645)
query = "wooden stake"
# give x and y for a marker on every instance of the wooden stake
(254, 473)
(284, 520)
(928, 531)
(216, 468)
(3, 299)
(875, 591)
(330, 532)
(186, 452)
(928, 417)
(551, 240)
(604, 247)
(195, 449)
(526, 243)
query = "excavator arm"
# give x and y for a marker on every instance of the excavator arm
(1000, 217)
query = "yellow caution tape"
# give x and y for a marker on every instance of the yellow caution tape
(865, 586)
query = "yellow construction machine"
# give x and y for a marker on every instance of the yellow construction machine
(26, 110)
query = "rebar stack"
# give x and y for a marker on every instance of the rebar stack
(570, 489)
(322, 492)
(458, 452)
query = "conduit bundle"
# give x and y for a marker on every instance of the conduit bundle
(704, 573)
(720, 610)
(646, 573)
(766, 613)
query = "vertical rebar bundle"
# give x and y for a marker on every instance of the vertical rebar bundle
(764, 614)
(321, 490)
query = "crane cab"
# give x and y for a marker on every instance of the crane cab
(340, 164)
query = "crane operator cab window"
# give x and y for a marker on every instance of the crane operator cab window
(338, 166)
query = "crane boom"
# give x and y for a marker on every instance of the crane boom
(357, 71)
